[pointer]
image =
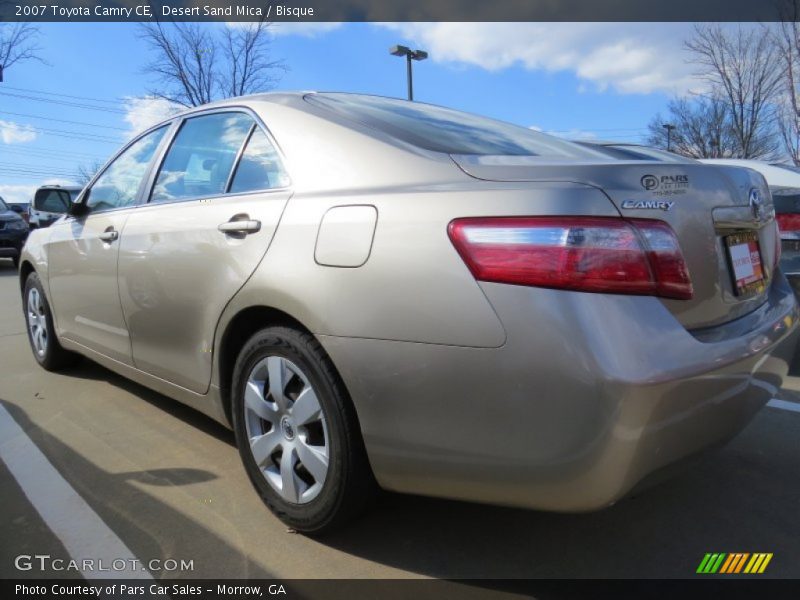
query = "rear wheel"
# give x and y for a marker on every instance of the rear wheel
(297, 432)
(41, 333)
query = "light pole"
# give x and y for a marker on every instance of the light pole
(669, 127)
(410, 55)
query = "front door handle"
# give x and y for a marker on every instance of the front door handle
(240, 224)
(109, 235)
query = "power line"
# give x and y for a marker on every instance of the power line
(49, 157)
(46, 93)
(86, 137)
(19, 167)
(65, 103)
(37, 177)
(16, 114)
(46, 153)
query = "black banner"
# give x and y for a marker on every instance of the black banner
(425, 589)
(394, 10)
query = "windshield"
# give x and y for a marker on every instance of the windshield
(445, 130)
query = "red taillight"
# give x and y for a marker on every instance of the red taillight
(590, 254)
(788, 222)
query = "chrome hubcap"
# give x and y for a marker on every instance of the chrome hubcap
(37, 322)
(286, 429)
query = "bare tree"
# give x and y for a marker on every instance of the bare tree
(246, 53)
(739, 67)
(196, 63)
(702, 128)
(85, 172)
(787, 40)
(18, 43)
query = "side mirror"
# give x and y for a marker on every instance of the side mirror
(80, 207)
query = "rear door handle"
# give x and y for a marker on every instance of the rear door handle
(241, 225)
(109, 235)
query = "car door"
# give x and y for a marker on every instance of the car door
(83, 250)
(215, 203)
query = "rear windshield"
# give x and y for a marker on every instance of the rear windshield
(445, 130)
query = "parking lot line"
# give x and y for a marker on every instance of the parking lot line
(82, 532)
(784, 405)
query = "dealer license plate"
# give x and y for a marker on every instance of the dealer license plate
(744, 257)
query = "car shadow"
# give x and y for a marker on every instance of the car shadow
(149, 527)
(741, 498)
(87, 369)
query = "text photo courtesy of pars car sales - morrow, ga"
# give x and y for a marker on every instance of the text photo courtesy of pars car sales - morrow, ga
(358, 299)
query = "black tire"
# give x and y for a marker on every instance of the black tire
(54, 357)
(349, 486)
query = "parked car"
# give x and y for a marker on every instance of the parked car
(21, 208)
(784, 184)
(50, 202)
(375, 291)
(777, 175)
(13, 232)
(629, 151)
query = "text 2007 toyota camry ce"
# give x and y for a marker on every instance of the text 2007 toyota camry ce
(379, 293)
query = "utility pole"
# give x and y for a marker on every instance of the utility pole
(669, 127)
(410, 55)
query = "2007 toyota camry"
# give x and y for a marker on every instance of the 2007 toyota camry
(374, 292)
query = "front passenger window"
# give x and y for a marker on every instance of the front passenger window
(119, 184)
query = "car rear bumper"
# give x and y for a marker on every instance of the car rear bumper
(589, 395)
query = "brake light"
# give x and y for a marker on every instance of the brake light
(590, 254)
(788, 222)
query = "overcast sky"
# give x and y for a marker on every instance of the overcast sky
(600, 80)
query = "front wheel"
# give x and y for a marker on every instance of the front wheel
(297, 432)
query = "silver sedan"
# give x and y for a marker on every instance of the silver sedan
(379, 293)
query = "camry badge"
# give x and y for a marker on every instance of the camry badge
(665, 205)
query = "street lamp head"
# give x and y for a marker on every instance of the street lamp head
(419, 55)
(400, 50)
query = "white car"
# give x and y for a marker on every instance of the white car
(784, 185)
(777, 175)
(50, 202)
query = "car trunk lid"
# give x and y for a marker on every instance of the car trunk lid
(709, 207)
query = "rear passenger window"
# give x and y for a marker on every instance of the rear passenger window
(201, 157)
(260, 167)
